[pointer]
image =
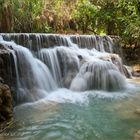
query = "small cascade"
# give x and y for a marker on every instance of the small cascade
(37, 41)
(45, 62)
(69, 63)
(98, 74)
(50, 58)
(109, 44)
(100, 43)
(63, 62)
(116, 60)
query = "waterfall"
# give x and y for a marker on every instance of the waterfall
(33, 76)
(50, 58)
(37, 41)
(98, 74)
(44, 63)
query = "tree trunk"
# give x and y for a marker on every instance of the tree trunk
(6, 22)
(110, 28)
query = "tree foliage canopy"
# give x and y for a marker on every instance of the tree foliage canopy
(113, 17)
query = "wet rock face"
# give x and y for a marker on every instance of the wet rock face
(7, 71)
(6, 101)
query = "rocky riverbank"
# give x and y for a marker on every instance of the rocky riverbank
(6, 107)
(6, 102)
(6, 99)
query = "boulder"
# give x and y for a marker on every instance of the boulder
(136, 70)
(6, 103)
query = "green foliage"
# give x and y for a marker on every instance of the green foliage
(115, 17)
(107, 16)
(129, 21)
(25, 13)
(85, 15)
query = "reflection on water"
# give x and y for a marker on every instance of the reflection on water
(104, 116)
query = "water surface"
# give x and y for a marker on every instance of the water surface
(68, 115)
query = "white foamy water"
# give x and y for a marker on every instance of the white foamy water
(82, 98)
(65, 73)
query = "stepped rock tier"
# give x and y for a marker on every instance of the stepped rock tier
(33, 65)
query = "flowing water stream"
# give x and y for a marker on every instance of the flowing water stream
(71, 92)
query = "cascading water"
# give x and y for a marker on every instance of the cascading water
(34, 79)
(43, 70)
(66, 85)
(49, 57)
(98, 74)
